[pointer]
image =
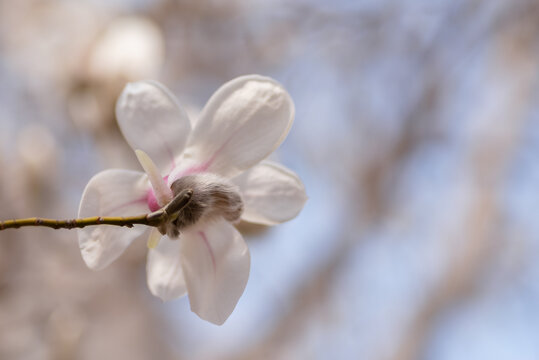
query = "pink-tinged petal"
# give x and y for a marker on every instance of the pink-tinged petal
(271, 193)
(152, 120)
(164, 270)
(242, 123)
(216, 262)
(111, 193)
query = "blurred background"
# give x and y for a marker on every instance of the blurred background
(416, 135)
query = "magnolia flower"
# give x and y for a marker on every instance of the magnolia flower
(222, 160)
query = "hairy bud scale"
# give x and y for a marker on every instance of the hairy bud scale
(213, 197)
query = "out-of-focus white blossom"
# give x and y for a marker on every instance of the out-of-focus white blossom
(131, 48)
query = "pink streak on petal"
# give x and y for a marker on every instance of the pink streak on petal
(151, 200)
(196, 169)
(200, 168)
(206, 242)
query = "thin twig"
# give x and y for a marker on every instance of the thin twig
(155, 218)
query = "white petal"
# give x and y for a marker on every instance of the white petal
(271, 193)
(152, 120)
(164, 270)
(111, 193)
(242, 123)
(216, 264)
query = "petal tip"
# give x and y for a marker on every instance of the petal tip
(216, 319)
